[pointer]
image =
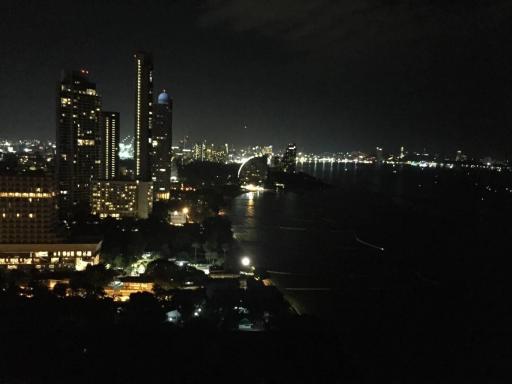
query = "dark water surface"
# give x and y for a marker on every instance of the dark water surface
(433, 303)
(438, 228)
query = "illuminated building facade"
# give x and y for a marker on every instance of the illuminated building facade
(121, 289)
(109, 134)
(290, 158)
(143, 115)
(122, 199)
(77, 151)
(28, 209)
(161, 142)
(50, 256)
(28, 227)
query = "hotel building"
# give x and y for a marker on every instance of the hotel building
(77, 157)
(143, 115)
(29, 235)
(122, 199)
(161, 145)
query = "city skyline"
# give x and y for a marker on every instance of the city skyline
(441, 87)
(303, 191)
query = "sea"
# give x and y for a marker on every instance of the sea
(382, 240)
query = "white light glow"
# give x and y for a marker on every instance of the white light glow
(245, 261)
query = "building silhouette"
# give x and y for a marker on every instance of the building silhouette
(379, 155)
(143, 114)
(161, 145)
(77, 139)
(290, 158)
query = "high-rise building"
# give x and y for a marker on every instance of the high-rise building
(109, 134)
(28, 208)
(77, 158)
(29, 236)
(379, 155)
(143, 115)
(290, 158)
(122, 199)
(161, 141)
(199, 151)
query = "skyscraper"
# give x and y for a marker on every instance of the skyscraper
(109, 134)
(143, 114)
(289, 158)
(379, 155)
(77, 161)
(161, 141)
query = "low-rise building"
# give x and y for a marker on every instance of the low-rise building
(121, 289)
(50, 256)
(178, 217)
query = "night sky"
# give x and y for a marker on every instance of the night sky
(330, 75)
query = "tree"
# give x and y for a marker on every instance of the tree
(217, 230)
(38, 289)
(225, 247)
(196, 245)
(60, 289)
(168, 275)
(92, 280)
(162, 272)
(143, 308)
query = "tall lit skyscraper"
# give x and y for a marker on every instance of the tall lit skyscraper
(109, 134)
(290, 158)
(143, 114)
(77, 161)
(161, 141)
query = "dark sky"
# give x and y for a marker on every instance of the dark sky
(330, 75)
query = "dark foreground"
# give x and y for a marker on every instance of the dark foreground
(79, 340)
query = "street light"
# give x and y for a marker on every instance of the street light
(245, 261)
(185, 210)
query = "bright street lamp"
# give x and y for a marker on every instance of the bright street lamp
(245, 261)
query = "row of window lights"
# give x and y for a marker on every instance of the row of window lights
(35, 195)
(19, 215)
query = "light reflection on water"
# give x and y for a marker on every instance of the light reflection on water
(305, 230)
(393, 207)
(286, 230)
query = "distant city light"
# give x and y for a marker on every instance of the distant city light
(126, 148)
(252, 187)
